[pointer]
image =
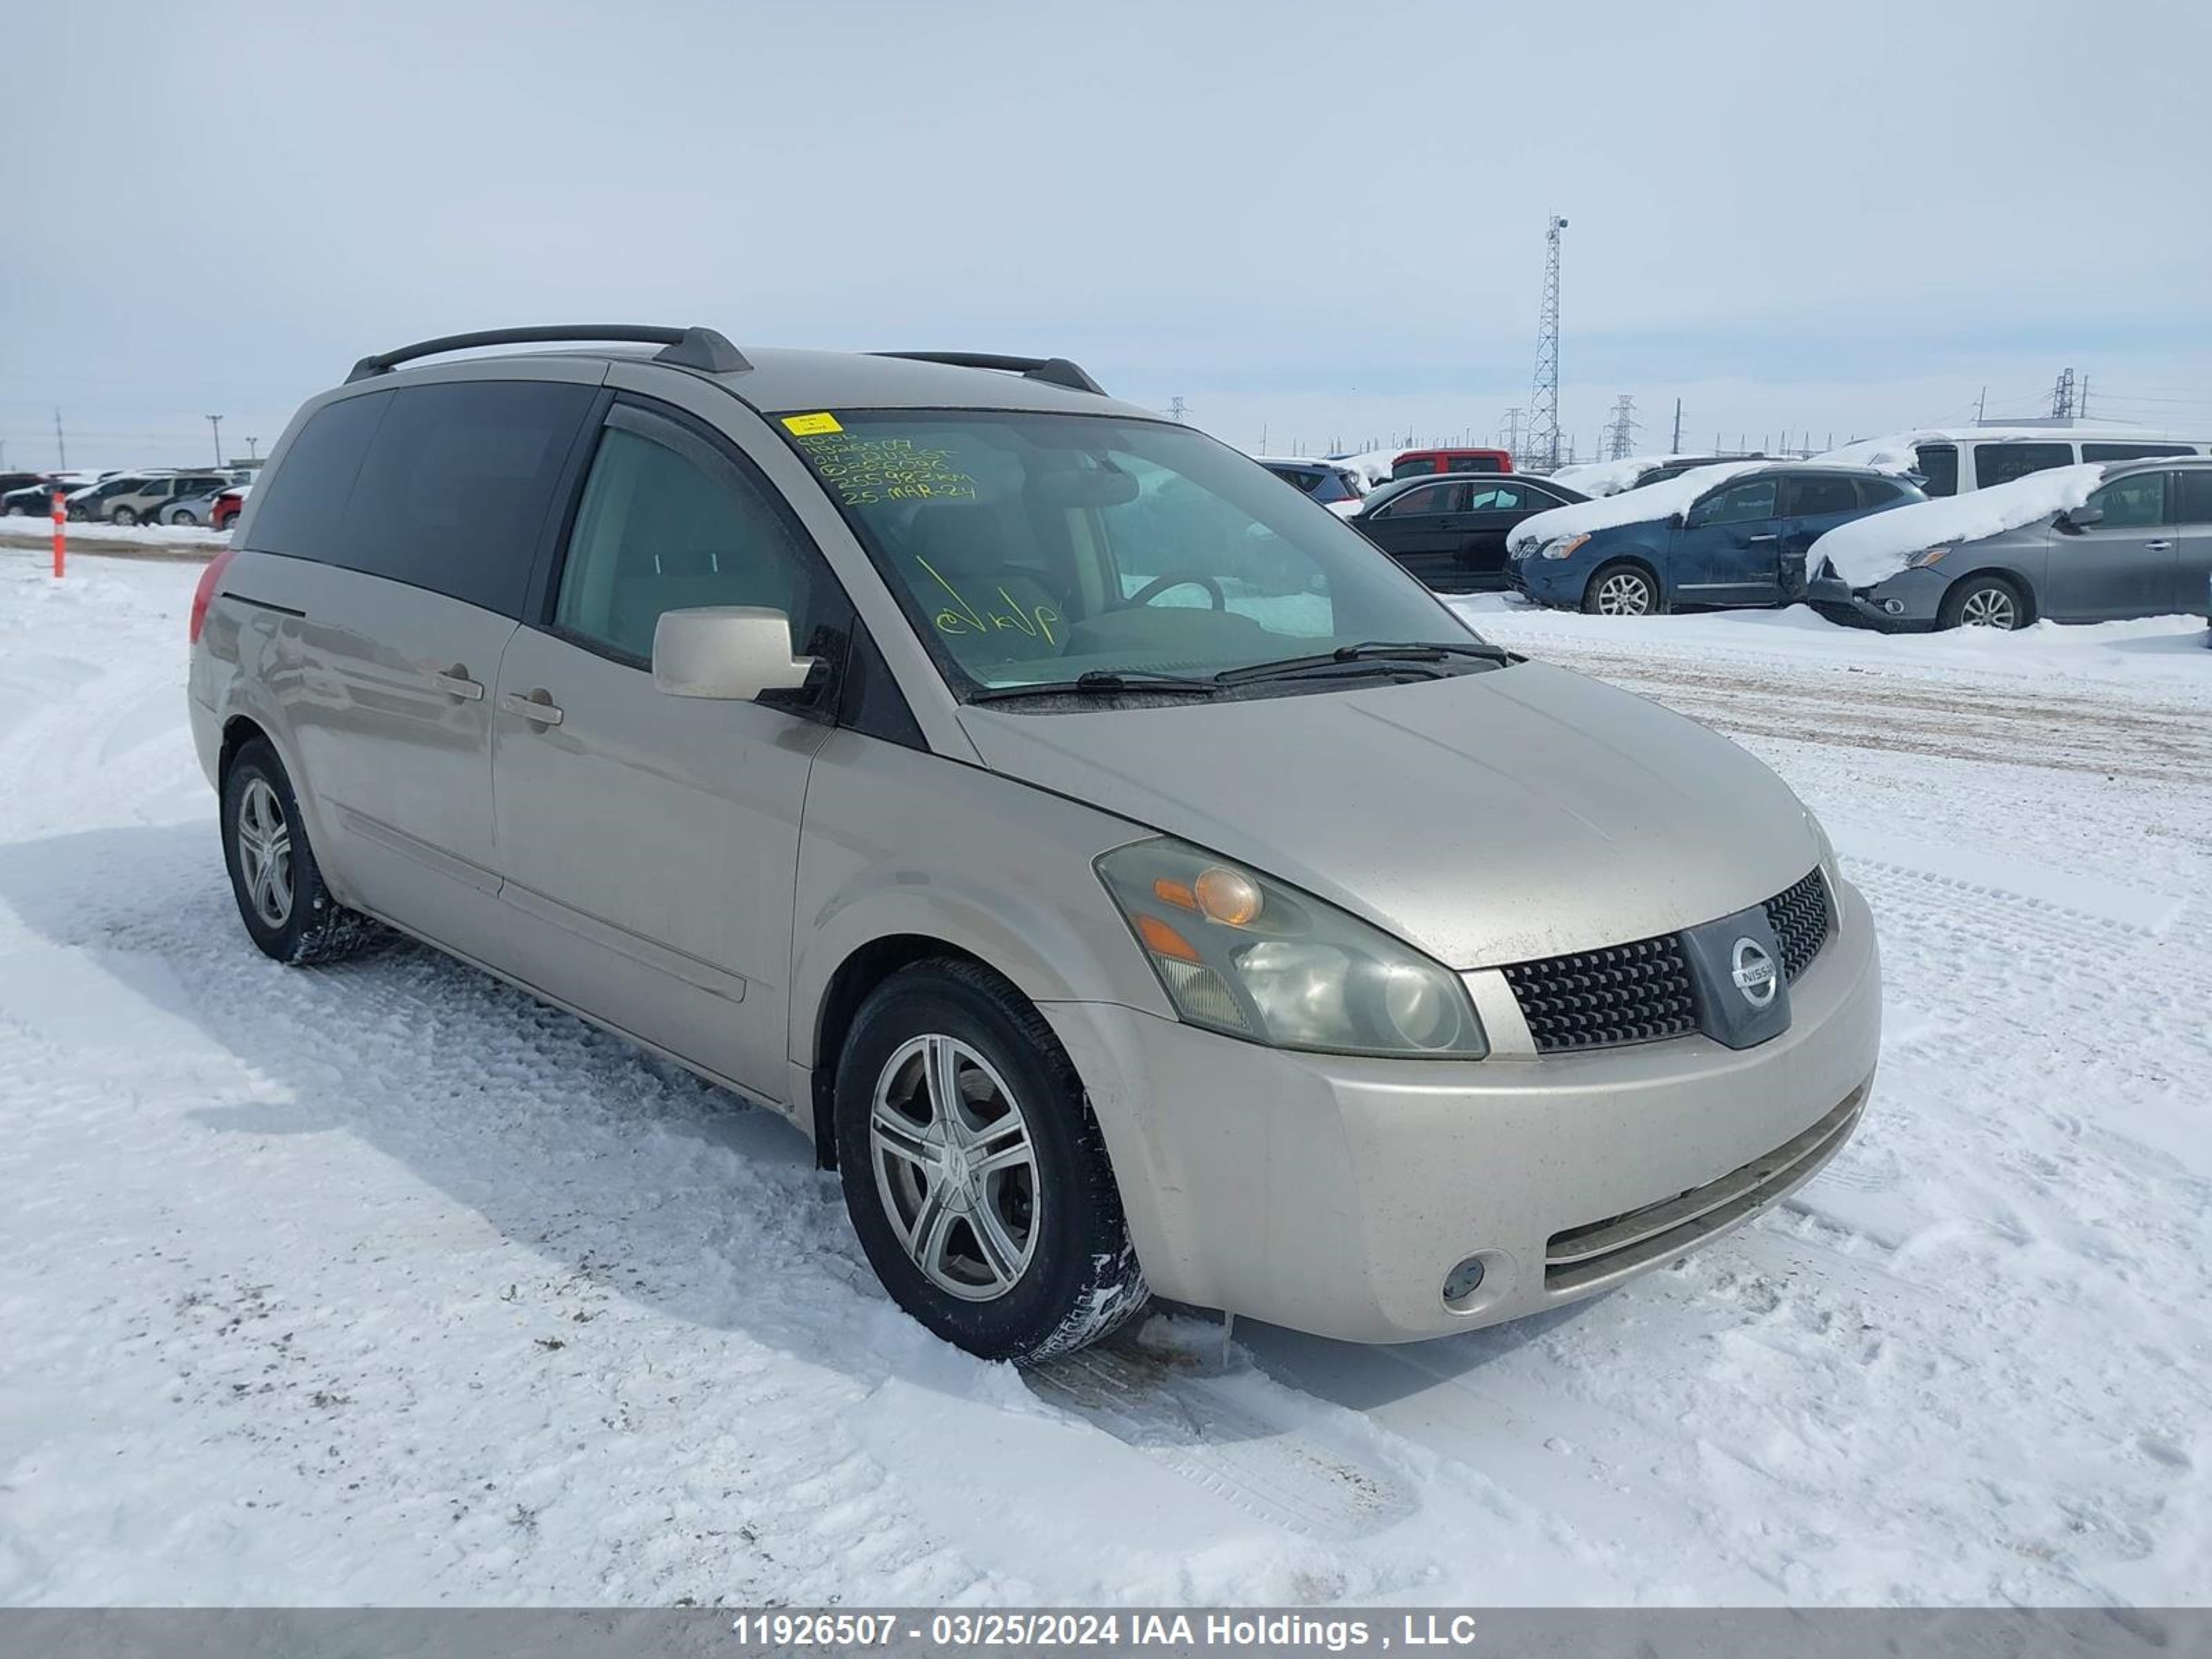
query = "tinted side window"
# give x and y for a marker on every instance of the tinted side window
(2131, 452)
(669, 522)
(1810, 498)
(1939, 466)
(301, 508)
(457, 483)
(1754, 499)
(1474, 463)
(2193, 497)
(1502, 498)
(2135, 501)
(1879, 492)
(1997, 464)
(1419, 466)
(1434, 498)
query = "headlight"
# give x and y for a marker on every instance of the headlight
(1249, 957)
(1926, 556)
(1561, 550)
(1828, 865)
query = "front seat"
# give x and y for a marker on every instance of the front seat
(983, 607)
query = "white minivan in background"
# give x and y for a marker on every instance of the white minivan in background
(1950, 461)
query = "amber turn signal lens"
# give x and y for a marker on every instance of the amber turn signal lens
(1229, 897)
(1162, 940)
(1174, 892)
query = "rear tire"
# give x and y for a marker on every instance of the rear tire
(288, 911)
(185, 515)
(1624, 590)
(1025, 1259)
(1985, 602)
(123, 516)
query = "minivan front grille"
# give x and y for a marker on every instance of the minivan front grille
(1643, 992)
(1637, 993)
(1799, 916)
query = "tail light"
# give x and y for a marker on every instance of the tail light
(205, 591)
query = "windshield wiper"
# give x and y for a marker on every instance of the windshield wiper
(1385, 655)
(1103, 683)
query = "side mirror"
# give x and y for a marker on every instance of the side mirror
(2081, 517)
(729, 651)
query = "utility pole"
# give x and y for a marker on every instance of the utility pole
(1624, 425)
(2084, 414)
(61, 444)
(1982, 408)
(1676, 447)
(215, 423)
(253, 454)
(1544, 402)
(2062, 397)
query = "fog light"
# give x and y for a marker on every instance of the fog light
(1463, 1281)
(1893, 607)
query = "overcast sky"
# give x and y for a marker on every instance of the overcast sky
(1323, 222)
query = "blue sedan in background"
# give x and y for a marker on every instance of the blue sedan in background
(1742, 541)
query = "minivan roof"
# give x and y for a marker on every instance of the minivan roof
(779, 379)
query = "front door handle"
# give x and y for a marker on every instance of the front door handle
(2158, 547)
(454, 682)
(1753, 541)
(539, 706)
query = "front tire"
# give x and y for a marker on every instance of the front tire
(1624, 590)
(1985, 602)
(974, 1171)
(123, 516)
(288, 911)
(185, 515)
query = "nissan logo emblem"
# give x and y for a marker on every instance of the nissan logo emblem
(1753, 970)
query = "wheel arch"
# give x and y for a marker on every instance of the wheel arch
(1636, 556)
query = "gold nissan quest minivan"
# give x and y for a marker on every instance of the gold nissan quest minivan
(1131, 879)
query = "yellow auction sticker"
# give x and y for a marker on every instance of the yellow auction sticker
(808, 426)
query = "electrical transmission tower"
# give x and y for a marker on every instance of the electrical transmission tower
(1513, 431)
(1544, 403)
(1619, 436)
(2062, 397)
(1178, 408)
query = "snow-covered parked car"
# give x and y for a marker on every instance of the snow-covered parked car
(1242, 927)
(2087, 543)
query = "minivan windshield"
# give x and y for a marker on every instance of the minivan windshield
(1033, 550)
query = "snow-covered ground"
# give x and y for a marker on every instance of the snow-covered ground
(381, 1283)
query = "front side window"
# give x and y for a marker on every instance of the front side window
(1027, 549)
(1413, 466)
(1939, 466)
(2133, 502)
(1736, 504)
(668, 522)
(1997, 464)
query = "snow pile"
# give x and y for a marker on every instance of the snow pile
(1596, 478)
(1372, 465)
(1867, 550)
(1630, 507)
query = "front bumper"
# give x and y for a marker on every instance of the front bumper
(1555, 582)
(1910, 602)
(1334, 1194)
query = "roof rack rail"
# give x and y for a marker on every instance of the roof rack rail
(1056, 371)
(685, 348)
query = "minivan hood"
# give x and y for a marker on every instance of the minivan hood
(1486, 817)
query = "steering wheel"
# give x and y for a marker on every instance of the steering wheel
(1160, 584)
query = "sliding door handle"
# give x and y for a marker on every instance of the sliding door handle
(454, 682)
(539, 706)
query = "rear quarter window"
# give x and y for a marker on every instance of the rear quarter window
(300, 510)
(1997, 464)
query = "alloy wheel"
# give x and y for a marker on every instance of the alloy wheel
(264, 853)
(1989, 607)
(1624, 593)
(955, 1167)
